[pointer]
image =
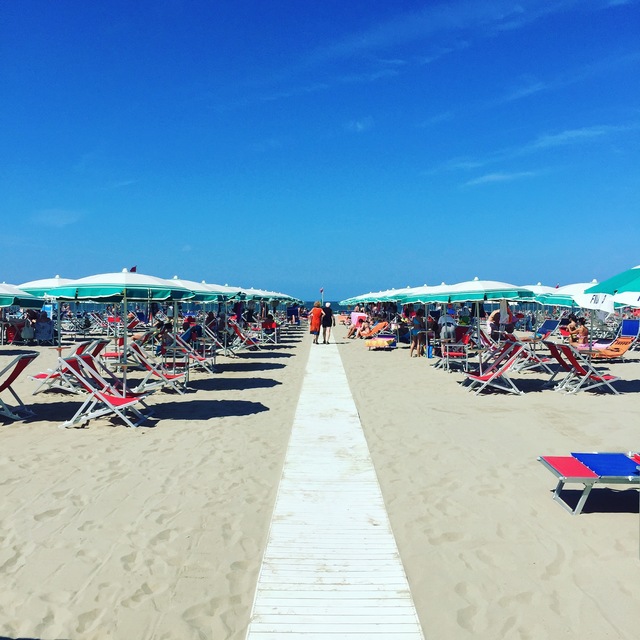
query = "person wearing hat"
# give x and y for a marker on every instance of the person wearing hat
(328, 321)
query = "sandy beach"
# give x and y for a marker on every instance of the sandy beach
(158, 532)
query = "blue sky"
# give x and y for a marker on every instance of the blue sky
(290, 145)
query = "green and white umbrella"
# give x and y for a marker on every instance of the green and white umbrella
(122, 286)
(625, 287)
(577, 295)
(45, 288)
(477, 290)
(11, 296)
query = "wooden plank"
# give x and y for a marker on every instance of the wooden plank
(331, 567)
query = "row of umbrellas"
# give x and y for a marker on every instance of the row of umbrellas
(621, 290)
(128, 285)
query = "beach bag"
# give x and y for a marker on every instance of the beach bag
(27, 332)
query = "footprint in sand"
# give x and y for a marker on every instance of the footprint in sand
(145, 592)
(45, 515)
(87, 621)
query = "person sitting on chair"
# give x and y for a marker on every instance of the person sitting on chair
(43, 329)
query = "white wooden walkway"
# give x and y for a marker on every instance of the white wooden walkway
(331, 567)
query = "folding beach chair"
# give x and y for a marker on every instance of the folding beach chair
(495, 375)
(590, 469)
(615, 350)
(44, 333)
(52, 379)
(630, 328)
(547, 328)
(156, 373)
(376, 329)
(583, 376)
(456, 354)
(8, 376)
(242, 340)
(227, 350)
(102, 400)
(563, 366)
(195, 358)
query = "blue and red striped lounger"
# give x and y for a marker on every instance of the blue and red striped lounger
(590, 469)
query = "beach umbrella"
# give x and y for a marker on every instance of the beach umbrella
(10, 296)
(45, 288)
(577, 295)
(477, 290)
(122, 287)
(625, 287)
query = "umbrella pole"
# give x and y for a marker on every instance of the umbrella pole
(125, 313)
(59, 329)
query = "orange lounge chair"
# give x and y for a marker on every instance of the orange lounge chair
(377, 328)
(615, 350)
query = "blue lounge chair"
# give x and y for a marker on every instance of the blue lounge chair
(630, 328)
(547, 328)
(590, 469)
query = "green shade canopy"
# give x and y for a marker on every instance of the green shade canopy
(576, 295)
(625, 287)
(477, 290)
(45, 288)
(113, 287)
(11, 296)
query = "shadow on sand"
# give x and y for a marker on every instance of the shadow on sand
(249, 366)
(604, 500)
(225, 384)
(205, 409)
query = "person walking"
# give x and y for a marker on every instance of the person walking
(315, 320)
(328, 321)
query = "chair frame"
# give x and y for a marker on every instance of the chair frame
(571, 470)
(12, 372)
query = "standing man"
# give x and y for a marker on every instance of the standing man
(328, 321)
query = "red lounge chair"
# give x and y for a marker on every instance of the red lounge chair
(102, 400)
(495, 375)
(583, 376)
(242, 340)
(162, 376)
(8, 376)
(589, 469)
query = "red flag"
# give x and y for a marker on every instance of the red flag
(321, 289)
(133, 269)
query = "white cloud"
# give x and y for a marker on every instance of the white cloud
(570, 136)
(500, 177)
(56, 218)
(358, 126)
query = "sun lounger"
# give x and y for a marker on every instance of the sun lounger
(102, 400)
(194, 357)
(157, 374)
(8, 376)
(241, 339)
(381, 342)
(547, 328)
(583, 376)
(496, 374)
(590, 469)
(377, 328)
(615, 350)
(630, 328)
